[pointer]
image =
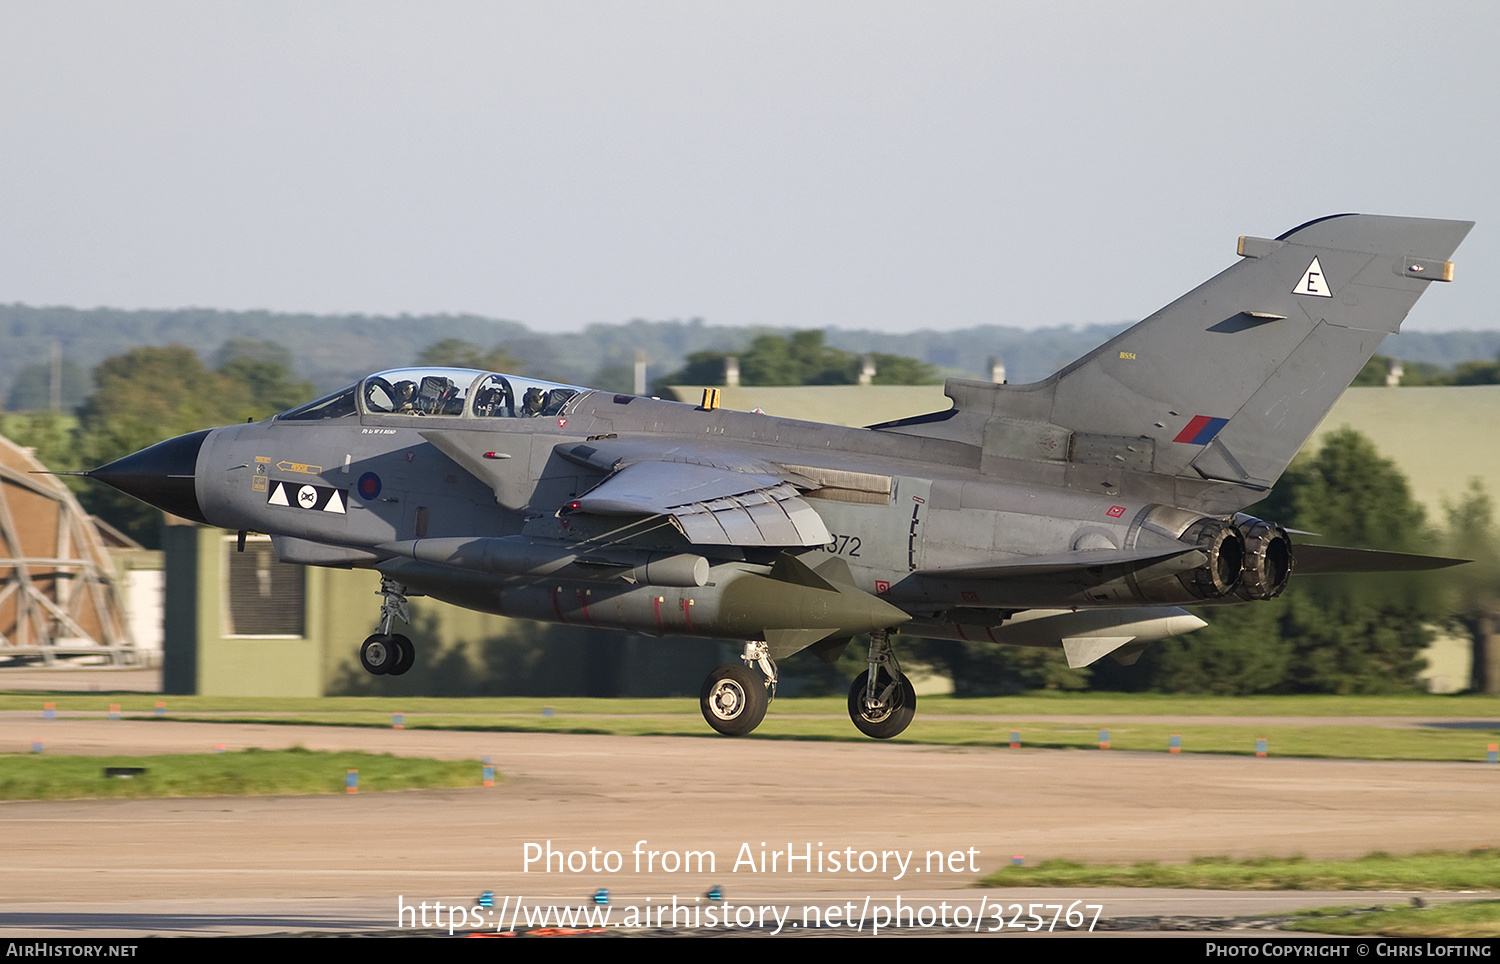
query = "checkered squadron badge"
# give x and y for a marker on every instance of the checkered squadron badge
(317, 498)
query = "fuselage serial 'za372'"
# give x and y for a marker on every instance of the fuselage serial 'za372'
(1080, 511)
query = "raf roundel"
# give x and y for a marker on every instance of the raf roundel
(368, 486)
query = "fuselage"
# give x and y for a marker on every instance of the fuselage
(340, 483)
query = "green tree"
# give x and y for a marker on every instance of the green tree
(1477, 373)
(801, 358)
(900, 370)
(32, 389)
(1413, 373)
(262, 371)
(1345, 643)
(1349, 495)
(1374, 372)
(457, 353)
(53, 436)
(1476, 586)
(1242, 650)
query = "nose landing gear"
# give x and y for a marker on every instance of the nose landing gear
(384, 654)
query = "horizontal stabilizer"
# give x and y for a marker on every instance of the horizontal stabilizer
(1330, 559)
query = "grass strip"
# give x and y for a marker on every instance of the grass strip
(1444, 729)
(1317, 742)
(1477, 869)
(252, 772)
(1463, 919)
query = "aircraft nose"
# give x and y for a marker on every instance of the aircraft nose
(163, 475)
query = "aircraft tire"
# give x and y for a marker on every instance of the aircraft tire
(884, 722)
(378, 654)
(733, 700)
(406, 656)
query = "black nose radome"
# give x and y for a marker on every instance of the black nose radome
(162, 475)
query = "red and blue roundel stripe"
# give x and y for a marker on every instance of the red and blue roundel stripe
(1201, 430)
(368, 486)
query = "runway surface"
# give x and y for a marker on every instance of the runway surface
(658, 818)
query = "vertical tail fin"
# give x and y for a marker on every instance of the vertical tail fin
(1226, 383)
(1230, 379)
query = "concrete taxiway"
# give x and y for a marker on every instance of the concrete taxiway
(658, 818)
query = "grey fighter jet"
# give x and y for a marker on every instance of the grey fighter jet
(1078, 512)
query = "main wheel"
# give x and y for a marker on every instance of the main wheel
(379, 654)
(406, 655)
(892, 712)
(733, 700)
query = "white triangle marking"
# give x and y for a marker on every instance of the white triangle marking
(335, 502)
(278, 494)
(1313, 282)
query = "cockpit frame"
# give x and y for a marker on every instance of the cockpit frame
(442, 393)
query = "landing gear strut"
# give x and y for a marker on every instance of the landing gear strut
(882, 701)
(733, 698)
(384, 654)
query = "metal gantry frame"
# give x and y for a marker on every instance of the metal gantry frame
(58, 591)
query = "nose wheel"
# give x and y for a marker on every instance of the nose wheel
(882, 701)
(385, 655)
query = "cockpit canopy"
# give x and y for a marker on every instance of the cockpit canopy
(441, 392)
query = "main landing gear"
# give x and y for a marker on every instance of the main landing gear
(733, 698)
(384, 654)
(882, 701)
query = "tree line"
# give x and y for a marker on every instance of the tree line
(332, 350)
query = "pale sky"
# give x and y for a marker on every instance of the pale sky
(890, 165)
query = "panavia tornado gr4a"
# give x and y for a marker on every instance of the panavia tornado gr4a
(1078, 512)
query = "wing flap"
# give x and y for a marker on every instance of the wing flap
(773, 517)
(653, 488)
(711, 505)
